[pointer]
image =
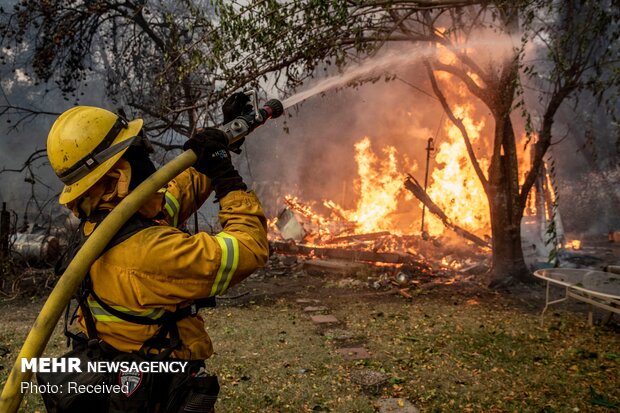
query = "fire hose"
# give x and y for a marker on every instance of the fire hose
(67, 285)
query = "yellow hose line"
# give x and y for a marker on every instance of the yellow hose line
(76, 271)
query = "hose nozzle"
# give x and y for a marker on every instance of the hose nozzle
(244, 124)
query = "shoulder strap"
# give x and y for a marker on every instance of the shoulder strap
(135, 224)
(167, 338)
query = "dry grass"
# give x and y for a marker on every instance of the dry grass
(453, 349)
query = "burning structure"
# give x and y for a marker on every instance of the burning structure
(385, 211)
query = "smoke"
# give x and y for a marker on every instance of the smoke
(309, 151)
(20, 138)
(590, 205)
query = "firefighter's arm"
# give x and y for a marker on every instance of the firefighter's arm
(245, 227)
(242, 245)
(182, 267)
(184, 195)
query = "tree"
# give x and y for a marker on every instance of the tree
(578, 40)
(173, 62)
(152, 58)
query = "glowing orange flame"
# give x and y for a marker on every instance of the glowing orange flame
(455, 186)
(380, 185)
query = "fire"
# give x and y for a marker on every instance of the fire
(455, 187)
(574, 244)
(379, 186)
(305, 210)
(525, 162)
(271, 223)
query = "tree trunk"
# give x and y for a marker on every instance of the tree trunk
(508, 262)
(503, 192)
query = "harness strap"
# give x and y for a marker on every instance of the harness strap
(131, 318)
(91, 330)
(164, 342)
(167, 317)
(167, 337)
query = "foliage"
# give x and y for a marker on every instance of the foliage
(152, 56)
(577, 44)
(172, 60)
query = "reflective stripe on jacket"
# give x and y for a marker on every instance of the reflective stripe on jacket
(184, 194)
(161, 267)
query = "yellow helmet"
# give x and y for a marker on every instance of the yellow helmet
(84, 144)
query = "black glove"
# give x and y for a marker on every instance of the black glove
(210, 145)
(236, 105)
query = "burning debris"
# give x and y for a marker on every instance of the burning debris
(382, 228)
(416, 189)
(379, 232)
(289, 227)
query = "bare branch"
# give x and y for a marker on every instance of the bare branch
(478, 91)
(459, 124)
(34, 156)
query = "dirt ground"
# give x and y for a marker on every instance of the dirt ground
(455, 347)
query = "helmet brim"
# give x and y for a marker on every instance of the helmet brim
(77, 189)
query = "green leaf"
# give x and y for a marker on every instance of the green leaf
(598, 399)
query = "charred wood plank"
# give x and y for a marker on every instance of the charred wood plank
(344, 253)
(416, 189)
(339, 267)
(359, 237)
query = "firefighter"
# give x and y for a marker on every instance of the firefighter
(140, 299)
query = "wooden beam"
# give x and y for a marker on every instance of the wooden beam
(345, 254)
(416, 189)
(358, 237)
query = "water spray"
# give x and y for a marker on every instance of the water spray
(390, 61)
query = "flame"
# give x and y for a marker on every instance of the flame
(320, 226)
(380, 184)
(525, 163)
(305, 210)
(455, 186)
(574, 244)
(271, 224)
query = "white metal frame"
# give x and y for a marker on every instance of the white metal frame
(605, 301)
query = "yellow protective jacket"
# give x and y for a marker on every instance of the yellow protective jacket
(163, 268)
